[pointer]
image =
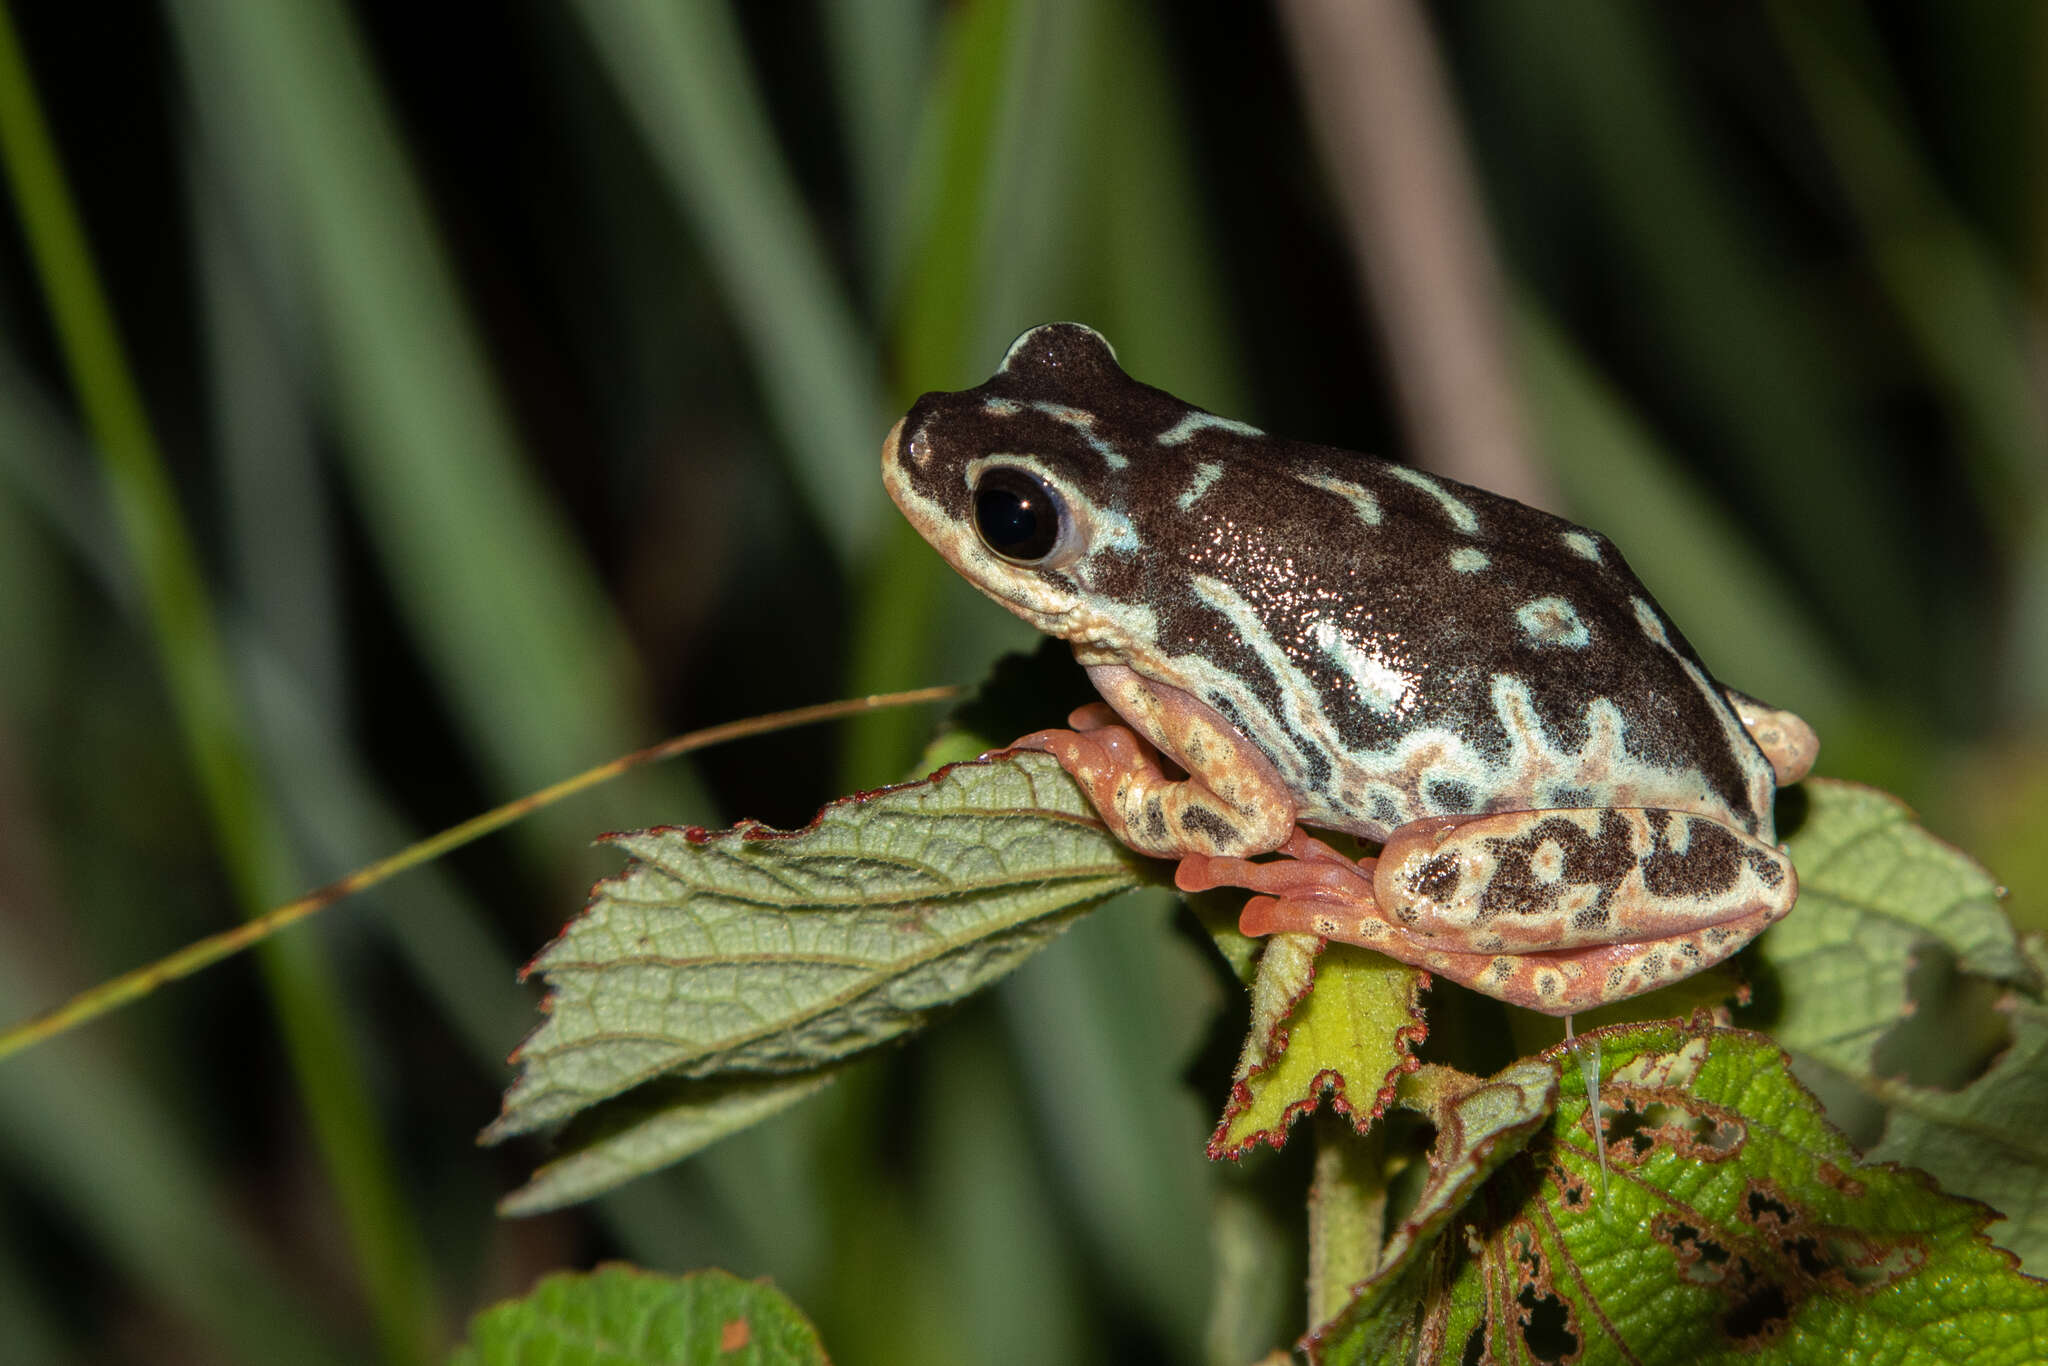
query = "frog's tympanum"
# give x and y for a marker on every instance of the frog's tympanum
(1572, 810)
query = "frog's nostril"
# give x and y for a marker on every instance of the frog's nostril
(892, 450)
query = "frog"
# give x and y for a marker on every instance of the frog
(1290, 638)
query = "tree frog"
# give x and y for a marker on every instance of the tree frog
(1284, 635)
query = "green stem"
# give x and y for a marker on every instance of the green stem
(386, 1246)
(1347, 1210)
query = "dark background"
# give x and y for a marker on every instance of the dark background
(518, 371)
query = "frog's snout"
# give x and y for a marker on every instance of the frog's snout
(892, 461)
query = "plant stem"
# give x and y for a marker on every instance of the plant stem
(1347, 1208)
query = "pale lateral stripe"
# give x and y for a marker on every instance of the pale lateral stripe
(1761, 780)
(1186, 428)
(1206, 475)
(1433, 756)
(1367, 506)
(1461, 516)
(1381, 686)
(1080, 420)
(1295, 689)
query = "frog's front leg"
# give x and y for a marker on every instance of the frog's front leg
(1232, 800)
(1559, 911)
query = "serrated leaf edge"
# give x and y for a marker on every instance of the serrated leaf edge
(1327, 1082)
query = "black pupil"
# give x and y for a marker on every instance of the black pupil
(1018, 517)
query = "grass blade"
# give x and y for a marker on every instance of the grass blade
(386, 1248)
(685, 79)
(497, 593)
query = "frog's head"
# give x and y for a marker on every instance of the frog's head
(1024, 483)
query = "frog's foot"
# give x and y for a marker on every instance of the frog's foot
(1312, 890)
(1230, 800)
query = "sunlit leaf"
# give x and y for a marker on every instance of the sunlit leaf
(1342, 1021)
(756, 950)
(1733, 1223)
(617, 1316)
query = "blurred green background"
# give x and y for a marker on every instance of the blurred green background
(507, 386)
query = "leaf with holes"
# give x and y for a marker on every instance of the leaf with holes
(1873, 887)
(619, 1316)
(1880, 899)
(1733, 1223)
(1989, 1139)
(1341, 1022)
(758, 951)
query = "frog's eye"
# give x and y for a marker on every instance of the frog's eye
(1018, 514)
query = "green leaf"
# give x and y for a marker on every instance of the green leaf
(1988, 1140)
(651, 1127)
(757, 950)
(1872, 886)
(1876, 892)
(1342, 1021)
(619, 1316)
(1732, 1223)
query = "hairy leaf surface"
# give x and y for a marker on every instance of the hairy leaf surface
(757, 951)
(650, 1127)
(1341, 1021)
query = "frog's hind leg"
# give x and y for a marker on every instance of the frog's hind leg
(1565, 910)
(1559, 911)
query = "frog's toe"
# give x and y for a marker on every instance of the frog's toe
(1264, 915)
(1093, 716)
(1347, 923)
(1095, 757)
(1785, 738)
(1332, 884)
